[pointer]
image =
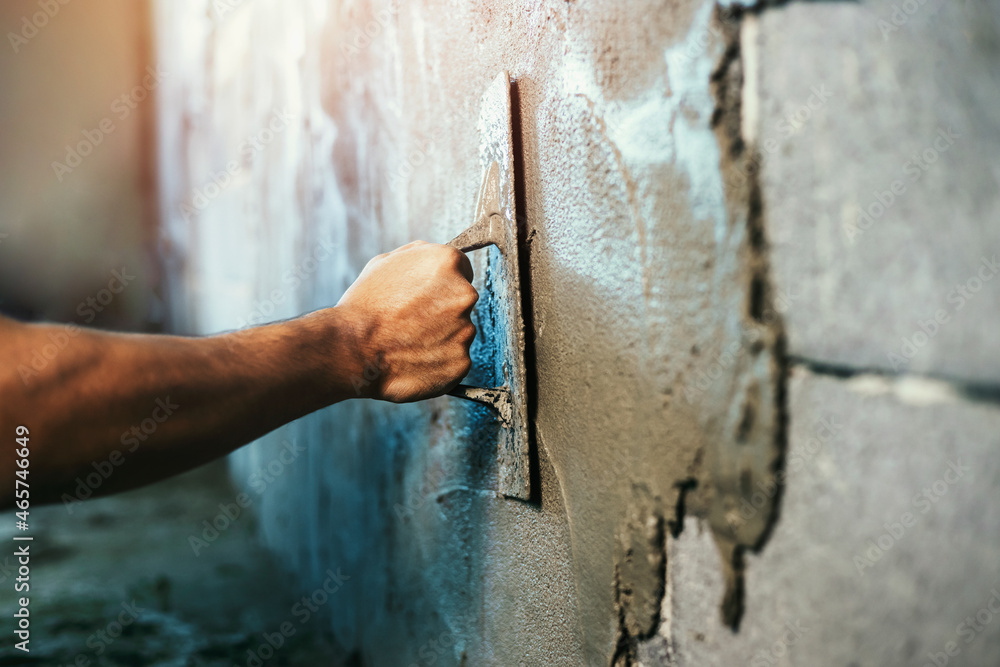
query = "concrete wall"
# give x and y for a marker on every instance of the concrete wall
(727, 416)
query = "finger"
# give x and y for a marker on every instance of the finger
(464, 265)
(462, 371)
(471, 298)
(468, 336)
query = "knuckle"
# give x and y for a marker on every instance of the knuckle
(456, 255)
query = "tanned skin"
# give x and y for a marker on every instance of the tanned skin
(401, 333)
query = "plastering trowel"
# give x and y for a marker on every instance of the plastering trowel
(495, 223)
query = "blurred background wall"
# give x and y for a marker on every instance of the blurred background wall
(78, 243)
(77, 185)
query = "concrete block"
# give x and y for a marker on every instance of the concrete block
(880, 182)
(885, 552)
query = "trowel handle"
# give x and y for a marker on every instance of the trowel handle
(497, 398)
(485, 231)
(488, 227)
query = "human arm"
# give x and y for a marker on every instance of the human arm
(401, 333)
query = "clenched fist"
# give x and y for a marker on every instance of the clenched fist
(411, 312)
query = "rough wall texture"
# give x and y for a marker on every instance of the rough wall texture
(713, 324)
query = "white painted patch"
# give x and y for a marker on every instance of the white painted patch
(923, 391)
(691, 105)
(869, 385)
(669, 123)
(908, 390)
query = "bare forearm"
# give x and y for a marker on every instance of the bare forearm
(160, 405)
(154, 406)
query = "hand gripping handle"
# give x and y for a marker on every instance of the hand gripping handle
(490, 228)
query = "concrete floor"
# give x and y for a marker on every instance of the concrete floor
(207, 610)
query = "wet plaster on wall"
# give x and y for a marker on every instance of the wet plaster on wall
(652, 211)
(804, 602)
(748, 455)
(657, 367)
(741, 414)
